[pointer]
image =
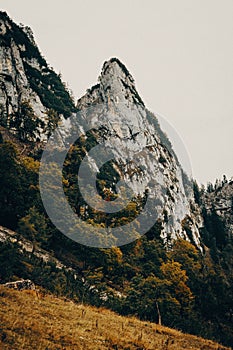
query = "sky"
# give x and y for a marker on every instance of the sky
(180, 54)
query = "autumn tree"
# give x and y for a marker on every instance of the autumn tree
(181, 297)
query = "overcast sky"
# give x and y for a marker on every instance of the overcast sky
(180, 53)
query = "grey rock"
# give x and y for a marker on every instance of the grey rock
(21, 285)
(126, 124)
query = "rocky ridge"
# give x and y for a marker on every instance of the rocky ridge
(125, 123)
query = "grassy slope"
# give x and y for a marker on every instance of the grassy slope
(29, 321)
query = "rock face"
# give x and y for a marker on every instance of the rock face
(25, 245)
(25, 75)
(125, 125)
(14, 84)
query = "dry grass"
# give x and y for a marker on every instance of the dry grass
(29, 321)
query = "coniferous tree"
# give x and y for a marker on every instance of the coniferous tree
(26, 124)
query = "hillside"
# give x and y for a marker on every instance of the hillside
(30, 321)
(179, 270)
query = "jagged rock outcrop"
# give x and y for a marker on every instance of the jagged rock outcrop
(25, 245)
(26, 76)
(125, 123)
(21, 285)
(14, 86)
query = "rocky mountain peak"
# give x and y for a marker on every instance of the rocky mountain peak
(116, 79)
(116, 85)
(25, 77)
(129, 129)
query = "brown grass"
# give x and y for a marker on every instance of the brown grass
(31, 321)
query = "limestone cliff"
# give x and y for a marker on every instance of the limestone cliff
(125, 123)
(26, 76)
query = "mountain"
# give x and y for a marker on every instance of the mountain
(141, 155)
(163, 244)
(130, 128)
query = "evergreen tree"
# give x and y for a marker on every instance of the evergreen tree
(26, 124)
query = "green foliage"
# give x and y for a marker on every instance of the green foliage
(49, 87)
(167, 297)
(34, 227)
(52, 118)
(11, 192)
(216, 229)
(196, 192)
(26, 123)
(143, 296)
(9, 261)
(19, 185)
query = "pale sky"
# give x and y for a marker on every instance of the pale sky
(180, 53)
